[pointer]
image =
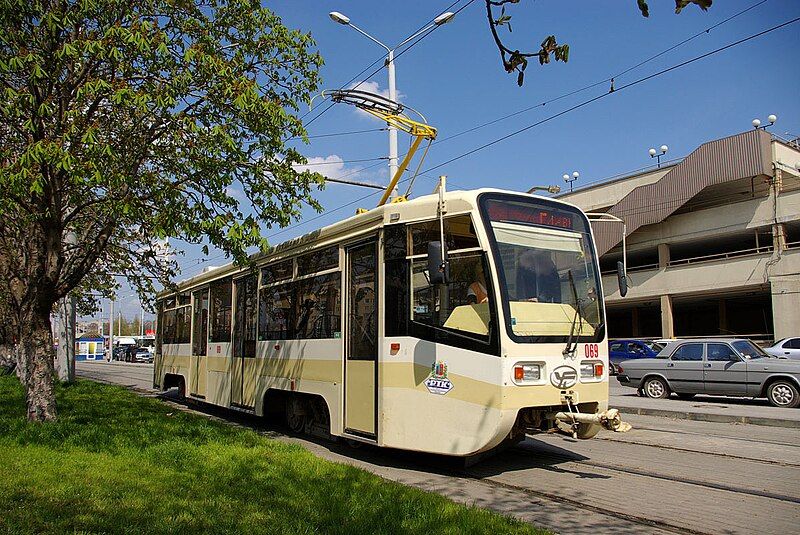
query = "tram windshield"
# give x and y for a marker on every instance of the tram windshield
(547, 270)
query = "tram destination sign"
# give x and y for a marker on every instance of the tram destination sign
(510, 212)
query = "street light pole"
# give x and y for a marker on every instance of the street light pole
(392, 129)
(444, 18)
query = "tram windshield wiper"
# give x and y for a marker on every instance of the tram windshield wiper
(577, 320)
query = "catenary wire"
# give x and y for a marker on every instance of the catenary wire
(622, 87)
(598, 83)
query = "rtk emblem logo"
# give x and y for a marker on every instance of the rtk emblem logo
(564, 377)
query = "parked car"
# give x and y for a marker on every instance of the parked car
(143, 355)
(729, 367)
(619, 350)
(788, 348)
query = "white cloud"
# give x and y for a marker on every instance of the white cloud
(331, 166)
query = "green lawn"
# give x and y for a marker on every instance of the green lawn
(117, 462)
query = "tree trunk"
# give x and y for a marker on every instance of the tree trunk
(36, 347)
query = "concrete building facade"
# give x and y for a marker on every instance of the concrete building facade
(713, 242)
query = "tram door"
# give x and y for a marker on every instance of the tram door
(243, 372)
(361, 344)
(199, 360)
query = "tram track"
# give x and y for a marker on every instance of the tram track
(635, 519)
(714, 454)
(664, 477)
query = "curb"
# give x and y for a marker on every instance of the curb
(709, 417)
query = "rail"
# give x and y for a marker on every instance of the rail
(792, 245)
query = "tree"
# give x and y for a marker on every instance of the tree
(125, 122)
(516, 61)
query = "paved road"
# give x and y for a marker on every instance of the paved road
(664, 476)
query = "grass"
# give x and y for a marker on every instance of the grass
(116, 462)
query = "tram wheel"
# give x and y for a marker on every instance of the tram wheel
(295, 414)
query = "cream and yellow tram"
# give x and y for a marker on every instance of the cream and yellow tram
(446, 324)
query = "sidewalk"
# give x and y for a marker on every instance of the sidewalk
(703, 408)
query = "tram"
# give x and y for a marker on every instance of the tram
(452, 323)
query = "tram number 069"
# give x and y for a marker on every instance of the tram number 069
(591, 351)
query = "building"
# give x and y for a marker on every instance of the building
(713, 242)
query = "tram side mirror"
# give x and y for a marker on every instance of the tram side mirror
(438, 266)
(622, 280)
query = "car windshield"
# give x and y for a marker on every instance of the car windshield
(749, 350)
(547, 272)
(654, 346)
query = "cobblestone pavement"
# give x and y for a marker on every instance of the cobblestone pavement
(666, 475)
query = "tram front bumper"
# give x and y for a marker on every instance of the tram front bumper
(610, 419)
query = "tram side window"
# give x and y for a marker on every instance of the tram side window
(317, 308)
(458, 232)
(221, 311)
(319, 260)
(246, 318)
(462, 304)
(183, 324)
(159, 327)
(275, 312)
(170, 317)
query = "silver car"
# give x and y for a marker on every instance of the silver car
(787, 348)
(729, 367)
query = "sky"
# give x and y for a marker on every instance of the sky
(455, 78)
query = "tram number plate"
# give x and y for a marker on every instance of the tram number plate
(591, 351)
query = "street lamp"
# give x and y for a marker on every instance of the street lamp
(654, 154)
(444, 18)
(569, 180)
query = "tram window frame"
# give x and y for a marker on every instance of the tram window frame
(266, 296)
(170, 325)
(318, 260)
(333, 283)
(274, 272)
(183, 325)
(220, 327)
(249, 287)
(398, 290)
(200, 326)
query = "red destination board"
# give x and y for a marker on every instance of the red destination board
(516, 213)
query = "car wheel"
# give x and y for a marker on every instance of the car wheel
(612, 370)
(686, 396)
(656, 388)
(783, 393)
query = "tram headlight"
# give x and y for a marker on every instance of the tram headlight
(527, 373)
(591, 369)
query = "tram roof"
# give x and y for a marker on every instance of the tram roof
(419, 208)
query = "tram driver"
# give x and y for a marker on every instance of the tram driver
(537, 278)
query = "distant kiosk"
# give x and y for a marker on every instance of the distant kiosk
(90, 348)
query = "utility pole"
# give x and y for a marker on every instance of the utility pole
(111, 332)
(141, 326)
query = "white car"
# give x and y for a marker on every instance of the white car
(787, 348)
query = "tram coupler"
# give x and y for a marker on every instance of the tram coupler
(609, 419)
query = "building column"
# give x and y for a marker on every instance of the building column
(778, 238)
(667, 323)
(635, 321)
(663, 255)
(785, 306)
